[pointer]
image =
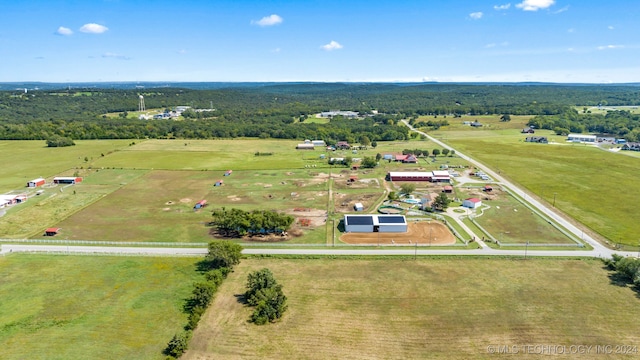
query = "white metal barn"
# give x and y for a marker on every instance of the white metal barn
(375, 223)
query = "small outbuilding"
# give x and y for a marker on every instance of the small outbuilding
(200, 204)
(228, 172)
(67, 180)
(487, 188)
(447, 189)
(36, 182)
(218, 183)
(51, 231)
(305, 146)
(358, 207)
(472, 203)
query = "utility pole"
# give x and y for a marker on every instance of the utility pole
(526, 245)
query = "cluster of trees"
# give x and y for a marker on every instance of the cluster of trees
(219, 262)
(621, 123)
(627, 268)
(265, 294)
(59, 141)
(434, 152)
(237, 222)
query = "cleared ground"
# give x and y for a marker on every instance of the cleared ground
(88, 307)
(424, 309)
(423, 233)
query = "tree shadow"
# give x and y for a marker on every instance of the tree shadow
(241, 299)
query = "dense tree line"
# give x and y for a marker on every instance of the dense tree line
(219, 262)
(280, 110)
(237, 222)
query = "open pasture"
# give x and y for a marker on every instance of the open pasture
(57, 202)
(26, 160)
(75, 307)
(596, 187)
(448, 308)
(158, 207)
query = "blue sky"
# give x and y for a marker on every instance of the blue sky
(323, 40)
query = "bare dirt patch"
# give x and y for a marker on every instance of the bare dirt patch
(185, 200)
(422, 232)
(344, 203)
(233, 198)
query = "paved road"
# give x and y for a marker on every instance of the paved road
(164, 251)
(598, 248)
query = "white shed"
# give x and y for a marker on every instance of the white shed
(358, 207)
(472, 203)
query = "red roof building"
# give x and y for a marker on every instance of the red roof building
(447, 189)
(51, 231)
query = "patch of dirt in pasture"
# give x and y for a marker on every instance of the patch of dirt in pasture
(166, 209)
(344, 203)
(185, 200)
(422, 232)
(234, 198)
(169, 203)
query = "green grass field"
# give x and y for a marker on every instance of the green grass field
(447, 308)
(594, 186)
(23, 161)
(75, 307)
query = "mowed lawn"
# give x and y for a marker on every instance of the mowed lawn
(448, 308)
(27, 160)
(75, 307)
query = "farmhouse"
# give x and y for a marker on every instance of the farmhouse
(408, 158)
(528, 130)
(343, 145)
(632, 146)
(427, 201)
(375, 223)
(36, 182)
(472, 203)
(67, 180)
(476, 124)
(581, 138)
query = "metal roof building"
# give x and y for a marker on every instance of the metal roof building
(375, 223)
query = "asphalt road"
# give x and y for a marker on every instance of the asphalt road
(164, 251)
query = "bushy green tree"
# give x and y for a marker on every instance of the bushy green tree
(266, 295)
(407, 188)
(223, 254)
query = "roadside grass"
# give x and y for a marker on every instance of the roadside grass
(86, 307)
(23, 161)
(511, 222)
(591, 185)
(430, 308)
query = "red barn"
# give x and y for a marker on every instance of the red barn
(51, 231)
(36, 182)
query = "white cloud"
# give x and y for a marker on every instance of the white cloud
(92, 28)
(610, 27)
(64, 31)
(571, 31)
(115, 56)
(562, 10)
(333, 45)
(182, 51)
(535, 5)
(610, 47)
(276, 50)
(502, 7)
(476, 15)
(268, 20)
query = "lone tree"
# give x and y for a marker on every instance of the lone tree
(445, 152)
(223, 254)
(505, 118)
(407, 188)
(441, 202)
(435, 152)
(264, 292)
